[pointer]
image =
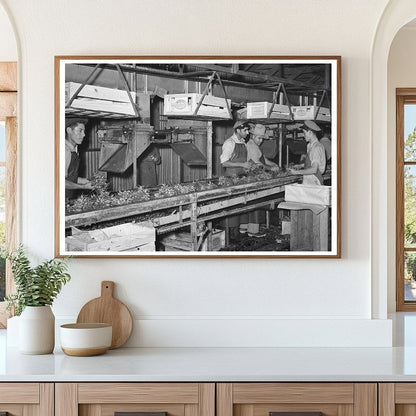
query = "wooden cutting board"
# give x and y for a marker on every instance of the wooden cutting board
(108, 310)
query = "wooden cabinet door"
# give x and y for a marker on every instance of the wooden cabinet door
(26, 399)
(397, 399)
(297, 399)
(145, 399)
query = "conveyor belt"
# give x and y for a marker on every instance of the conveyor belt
(204, 203)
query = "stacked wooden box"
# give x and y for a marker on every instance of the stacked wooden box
(185, 105)
(99, 99)
(182, 241)
(311, 112)
(261, 109)
(123, 237)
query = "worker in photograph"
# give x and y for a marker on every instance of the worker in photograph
(315, 161)
(234, 150)
(254, 152)
(234, 159)
(326, 142)
(256, 157)
(74, 136)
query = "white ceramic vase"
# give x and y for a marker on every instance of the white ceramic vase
(12, 334)
(37, 330)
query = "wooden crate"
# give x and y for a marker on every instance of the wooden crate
(182, 241)
(308, 230)
(124, 237)
(261, 110)
(308, 112)
(186, 104)
(94, 98)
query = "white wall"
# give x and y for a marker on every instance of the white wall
(212, 301)
(401, 74)
(8, 46)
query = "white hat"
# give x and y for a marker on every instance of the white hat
(259, 130)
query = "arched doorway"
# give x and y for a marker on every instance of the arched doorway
(395, 16)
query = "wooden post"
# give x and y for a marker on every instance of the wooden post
(281, 134)
(280, 144)
(134, 138)
(180, 176)
(227, 231)
(194, 225)
(209, 149)
(209, 239)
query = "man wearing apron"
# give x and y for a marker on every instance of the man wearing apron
(234, 159)
(315, 162)
(234, 151)
(74, 136)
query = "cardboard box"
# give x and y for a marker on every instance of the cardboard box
(261, 110)
(124, 237)
(308, 194)
(186, 104)
(307, 112)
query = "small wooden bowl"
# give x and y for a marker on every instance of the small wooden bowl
(84, 340)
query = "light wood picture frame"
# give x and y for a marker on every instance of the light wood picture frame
(142, 169)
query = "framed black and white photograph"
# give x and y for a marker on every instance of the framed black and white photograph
(198, 156)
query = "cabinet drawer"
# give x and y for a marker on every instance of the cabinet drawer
(138, 393)
(107, 399)
(270, 399)
(21, 399)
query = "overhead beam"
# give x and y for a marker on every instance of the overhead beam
(249, 79)
(254, 75)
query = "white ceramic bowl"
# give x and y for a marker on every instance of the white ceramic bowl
(83, 340)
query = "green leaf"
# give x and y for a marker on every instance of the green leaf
(35, 286)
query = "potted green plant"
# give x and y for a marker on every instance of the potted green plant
(36, 289)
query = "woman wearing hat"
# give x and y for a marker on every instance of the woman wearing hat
(315, 162)
(74, 136)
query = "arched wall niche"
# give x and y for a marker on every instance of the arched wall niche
(396, 15)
